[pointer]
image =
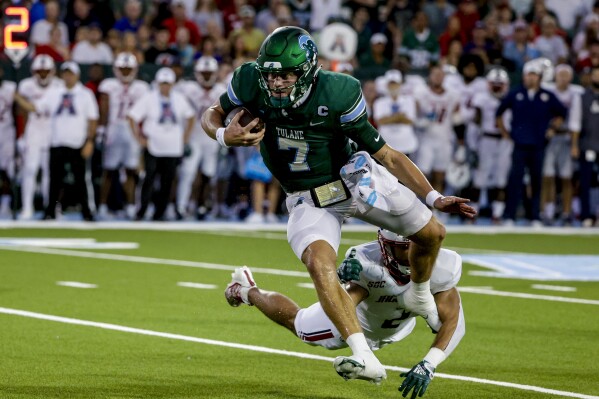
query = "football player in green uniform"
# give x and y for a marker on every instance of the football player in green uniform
(310, 116)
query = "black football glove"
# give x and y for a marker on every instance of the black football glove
(417, 379)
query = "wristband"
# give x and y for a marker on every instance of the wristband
(100, 130)
(220, 137)
(435, 356)
(432, 197)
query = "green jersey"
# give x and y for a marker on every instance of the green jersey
(305, 145)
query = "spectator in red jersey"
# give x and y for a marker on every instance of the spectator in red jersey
(468, 15)
(591, 60)
(179, 20)
(453, 32)
(54, 48)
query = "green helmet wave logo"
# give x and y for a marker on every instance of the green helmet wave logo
(288, 49)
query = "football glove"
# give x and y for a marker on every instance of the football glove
(417, 379)
(350, 268)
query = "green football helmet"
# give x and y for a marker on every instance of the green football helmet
(288, 49)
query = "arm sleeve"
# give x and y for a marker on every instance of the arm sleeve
(353, 119)
(242, 89)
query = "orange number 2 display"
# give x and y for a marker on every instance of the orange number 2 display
(22, 26)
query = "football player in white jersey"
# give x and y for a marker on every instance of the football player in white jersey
(558, 154)
(36, 140)
(120, 149)
(439, 112)
(377, 275)
(201, 93)
(7, 142)
(494, 151)
(472, 68)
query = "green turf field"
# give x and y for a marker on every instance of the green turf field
(163, 340)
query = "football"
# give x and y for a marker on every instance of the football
(246, 118)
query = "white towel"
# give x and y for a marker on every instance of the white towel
(369, 183)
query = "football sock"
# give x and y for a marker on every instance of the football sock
(357, 343)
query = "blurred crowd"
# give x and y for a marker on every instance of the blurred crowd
(436, 75)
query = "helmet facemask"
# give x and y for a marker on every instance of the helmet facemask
(206, 71)
(43, 69)
(44, 76)
(498, 82)
(287, 50)
(393, 250)
(125, 67)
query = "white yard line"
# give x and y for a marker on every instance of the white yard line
(235, 345)
(553, 288)
(306, 285)
(197, 285)
(474, 290)
(290, 273)
(76, 284)
(144, 259)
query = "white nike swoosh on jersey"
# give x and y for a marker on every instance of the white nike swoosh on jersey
(317, 123)
(378, 138)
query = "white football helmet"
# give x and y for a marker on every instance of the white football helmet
(542, 64)
(499, 82)
(43, 69)
(206, 71)
(391, 246)
(125, 67)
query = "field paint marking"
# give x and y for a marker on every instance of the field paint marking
(553, 288)
(115, 327)
(306, 285)
(70, 243)
(215, 266)
(76, 284)
(474, 290)
(197, 285)
(144, 259)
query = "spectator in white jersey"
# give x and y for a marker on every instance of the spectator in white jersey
(167, 120)
(494, 151)
(203, 159)
(377, 274)
(395, 113)
(120, 148)
(35, 143)
(74, 115)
